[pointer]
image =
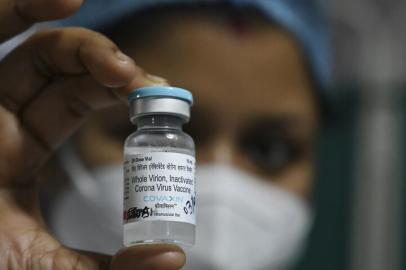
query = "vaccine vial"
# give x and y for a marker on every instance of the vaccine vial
(159, 169)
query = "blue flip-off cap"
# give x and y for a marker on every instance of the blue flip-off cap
(161, 91)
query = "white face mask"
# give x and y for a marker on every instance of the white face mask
(242, 222)
(245, 223)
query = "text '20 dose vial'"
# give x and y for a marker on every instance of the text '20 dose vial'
(159, 169)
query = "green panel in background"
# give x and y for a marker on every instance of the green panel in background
(402, 104)
(328, 247)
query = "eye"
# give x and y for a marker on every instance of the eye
(270, 148)
(121, 131)
(114, 123)
(201, 128)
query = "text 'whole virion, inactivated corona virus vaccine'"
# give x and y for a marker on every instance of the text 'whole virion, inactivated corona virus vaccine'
(159, 169)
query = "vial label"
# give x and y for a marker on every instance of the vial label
(159, 186)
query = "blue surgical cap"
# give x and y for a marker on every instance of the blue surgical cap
(303, 18)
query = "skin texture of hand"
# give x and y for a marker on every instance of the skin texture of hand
(48, 86)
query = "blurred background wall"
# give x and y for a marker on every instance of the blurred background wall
(360, 192)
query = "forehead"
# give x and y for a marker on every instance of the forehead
(233, 74)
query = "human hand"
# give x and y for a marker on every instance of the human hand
(48, 85)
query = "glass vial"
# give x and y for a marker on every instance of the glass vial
(159, 169)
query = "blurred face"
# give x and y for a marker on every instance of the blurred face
(254, 107)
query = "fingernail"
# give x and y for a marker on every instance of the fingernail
(142, 80)
(154, 80)
(122, 57)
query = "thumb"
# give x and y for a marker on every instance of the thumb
(149, 257)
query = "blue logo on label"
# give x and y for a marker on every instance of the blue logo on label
(163, 198)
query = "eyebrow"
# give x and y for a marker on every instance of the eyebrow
(291, 125)
(280, 120)
(202, 118)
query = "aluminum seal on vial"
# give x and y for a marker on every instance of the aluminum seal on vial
(160, 99)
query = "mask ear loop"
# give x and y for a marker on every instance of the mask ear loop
(79, 176)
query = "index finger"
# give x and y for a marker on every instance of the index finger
(17, 15)
(62, 52)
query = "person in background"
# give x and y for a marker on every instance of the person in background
(48, 85)
(258, 71)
